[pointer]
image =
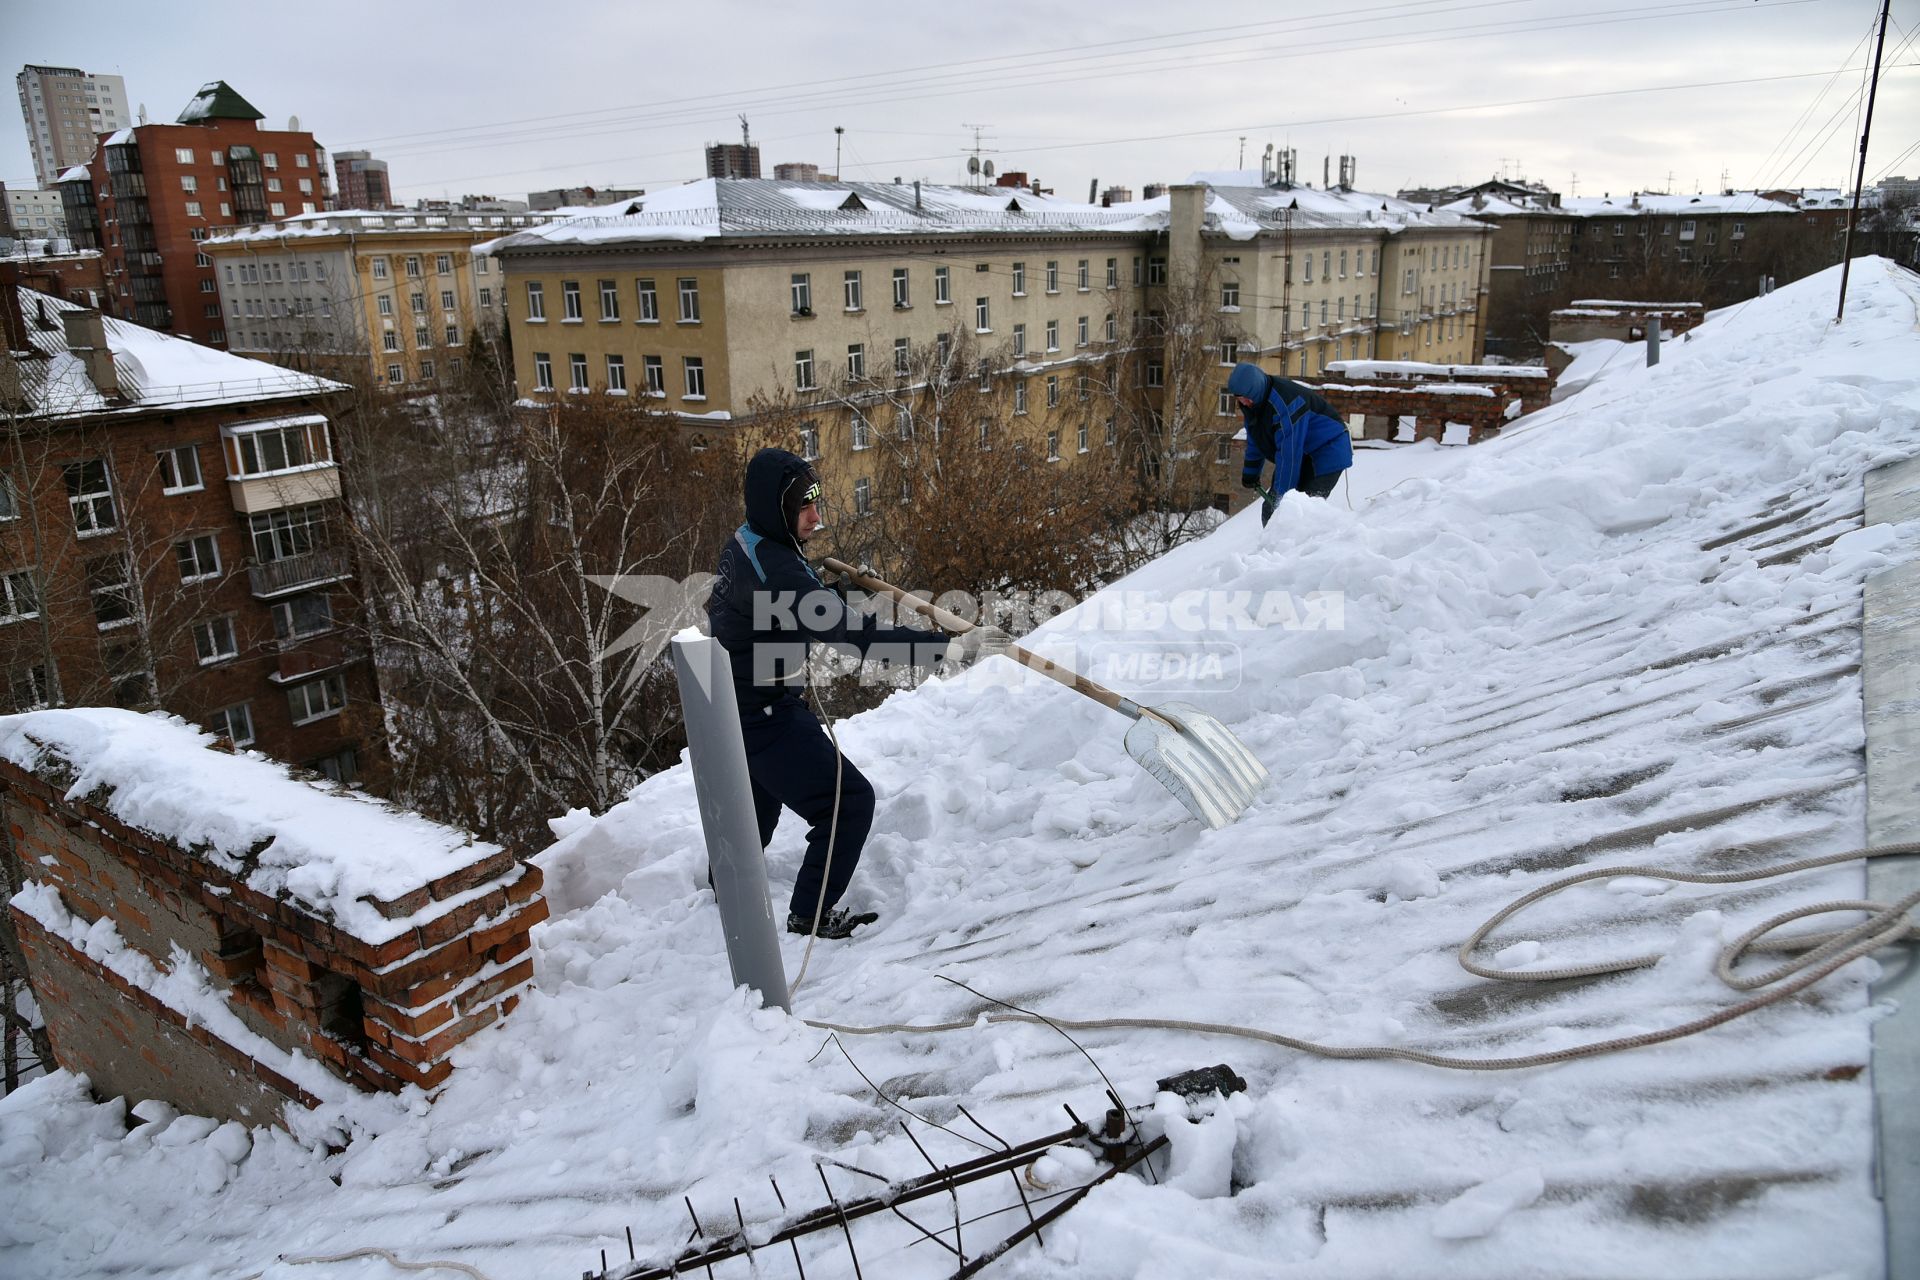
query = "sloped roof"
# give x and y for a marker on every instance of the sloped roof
(155, 370)
(217, 100)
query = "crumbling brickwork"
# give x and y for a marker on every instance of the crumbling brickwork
(379, 1015)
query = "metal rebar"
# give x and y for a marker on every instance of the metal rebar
(845, 1230)
(973, 1268)
(793, 1242)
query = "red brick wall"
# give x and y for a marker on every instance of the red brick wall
(380, 1016)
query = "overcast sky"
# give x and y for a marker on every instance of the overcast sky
(489, 96)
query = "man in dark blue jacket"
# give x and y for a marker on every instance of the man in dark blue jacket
(1294, 429)
(767, 607)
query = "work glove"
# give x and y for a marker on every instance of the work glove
(1249, 481)
(969, 647)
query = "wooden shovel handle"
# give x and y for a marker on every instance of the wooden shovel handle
(956, 624)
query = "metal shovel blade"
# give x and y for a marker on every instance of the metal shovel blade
(1198, 759)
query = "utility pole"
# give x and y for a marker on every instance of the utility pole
(1242, 162)
(838, 130)
(746, 150)
(1866, 129)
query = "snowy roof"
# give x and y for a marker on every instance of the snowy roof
(364, 222)
(1243, 211)
(1628, 631)
(154, 370)
(217, 100)
(76, 174)
(1682, 206)
(323, 847)
(119, 138)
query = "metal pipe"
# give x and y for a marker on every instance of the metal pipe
(735, 859)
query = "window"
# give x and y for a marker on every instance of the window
(609, 300)
(902, 357)
(656, 371)
(901, 299)
(942, 286)
(1156, 270)
(542, 371)
(198, 558)
(1223, 450)
(577, 372)
(1136, 270)
(89, 496)
(1229, 352)
(183, 155)
(980, 316)
(696, 375)
(569, 301)
(649, 302)
(1080, 332)
(850, 286)
(189, 183)
(453, 335)
(1019, 340)
(394, 375)
(802, 290)
(536, 300)
(1113, 328)
(213, 641)
(109, 582)
(942, 350)
(1113, 432)
(193, 209)
(1053, 446)
(180, 469)
(1053, 392)
(689, 300)
(856, 362)
(1155, 377)
(1113, 282)
(1223, 406)
(1053, 275)
(413, 265)
(486, 297)
(1230, 295)
(9, 500)
(986, 376)
(986, 434)
(1053, 335)
(18, 596)
(1343, 264)
(1019, 279)
(1020, 396)
(234, 723)
(903, 422)
(442, 263)
(384, 303)
(862, 433)
(863, 497)
(417, 303)
(803, 370)
(271, 449)
(303, 615)
(389, 341)
(315, 699)
(1081, 279)
(810, 441)
(289, 532)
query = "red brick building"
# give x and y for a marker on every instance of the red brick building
(152, 193)
(169, 537)
(79, 277)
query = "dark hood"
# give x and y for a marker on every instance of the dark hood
(772, 476)
(1247, 380)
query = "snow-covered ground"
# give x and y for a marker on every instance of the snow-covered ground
(1572, 646)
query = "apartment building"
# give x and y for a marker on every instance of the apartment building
(65, 109)
(153, 193)
(33, 214)
(720, 295)
(362, 181)
(167, 531)
(382, 299)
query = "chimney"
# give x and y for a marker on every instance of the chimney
(1187, 212)
(87, 338)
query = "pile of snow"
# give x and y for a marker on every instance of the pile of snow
(1527, 631)
(327, 848)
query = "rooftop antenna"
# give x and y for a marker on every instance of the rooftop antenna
(1241, 163)
(839, 130)
(1573, 185)
(974, 166)
(143, 113)
(746, 149)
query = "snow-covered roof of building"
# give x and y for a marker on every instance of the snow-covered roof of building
(154, 370)
(1626, 632)
(218, 100)
(716, 208)
(1681, 206)
(327, 848)
(364, 222)
(76, 174)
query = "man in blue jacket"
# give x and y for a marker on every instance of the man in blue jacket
(1294, 429)
(767, 607)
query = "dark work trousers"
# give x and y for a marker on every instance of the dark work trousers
(791, 761)
(1312, 483)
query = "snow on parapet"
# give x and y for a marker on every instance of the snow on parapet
(335, 852)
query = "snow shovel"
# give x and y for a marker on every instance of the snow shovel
(1191, 753)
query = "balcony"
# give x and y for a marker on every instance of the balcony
(291, 487)
(299, 573)
(301, 659)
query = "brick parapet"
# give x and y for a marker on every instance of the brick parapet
(380, 1014)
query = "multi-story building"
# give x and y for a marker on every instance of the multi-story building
(387, 299)
(33, 214)
(75, 275)
(577, 197)
(361, 181)
(798, 171)
(167, 526)
(65, 110)
(1713, 250)
(732, 160)
(721, 295)
(152, 193)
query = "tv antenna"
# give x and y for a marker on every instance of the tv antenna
(975, 168)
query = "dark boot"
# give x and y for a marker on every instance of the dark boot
(836, 923)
